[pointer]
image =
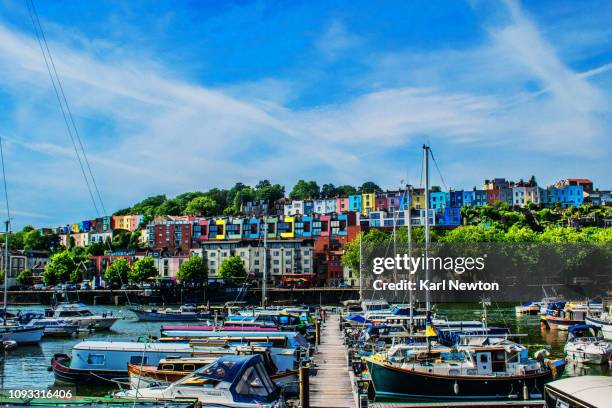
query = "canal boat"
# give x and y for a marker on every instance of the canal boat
(21, 335)
(562, 316)
(80, 314)
(208, 327)
(231, 381)
(54, 327)
(95, 361)
(493, 369)
(588, 391)
(185, 313)
(585, 344)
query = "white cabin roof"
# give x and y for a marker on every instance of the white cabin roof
(131, 346)
(591, 389)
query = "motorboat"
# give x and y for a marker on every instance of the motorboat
(588, 391)
(489, 368)
(585, 344)
(185, 313)
(80, 314)
(54, 327)
(21, 334)
(528, 308)
(172, 369)
(230, 381)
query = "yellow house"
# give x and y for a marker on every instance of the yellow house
(418, 199)
(75, 228)
(367, 203)
(289, 233)
(221, 229)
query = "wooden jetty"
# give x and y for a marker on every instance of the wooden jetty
(331, 386)
(461, 404)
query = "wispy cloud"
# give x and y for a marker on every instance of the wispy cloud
(150, 131)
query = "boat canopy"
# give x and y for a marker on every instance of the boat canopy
(580, 328)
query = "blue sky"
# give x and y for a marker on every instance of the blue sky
(181, 96)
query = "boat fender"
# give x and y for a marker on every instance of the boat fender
(456, 388)
(525, 392)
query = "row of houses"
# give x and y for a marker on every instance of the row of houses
(102, 225)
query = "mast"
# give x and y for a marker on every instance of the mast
(6, 268)
(427, 237)
(264, 292)
(360, 269)
(409, 191)
(394, 250)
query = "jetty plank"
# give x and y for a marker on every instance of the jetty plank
(331, 386)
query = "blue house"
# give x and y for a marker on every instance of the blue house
(456, 198)
(480, 198)
(468, 198)
(355, 202)
(439, 200)
(449, 217)
(308, 207)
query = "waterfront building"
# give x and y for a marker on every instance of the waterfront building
(293, 208)
(127, 222)
(418, 199)
(101, 237)
(438, 200)
(325, 206)
(17, 263)
(174, 234)
(568, 196)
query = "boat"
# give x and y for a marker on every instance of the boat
(81, 315)
(528, 308)
(93, 361)
(21, 334)
(208, 327)
(588, 391)
(561, 316)
(460, 374)
(186, 313)
(230, 381)
(54, 327)
(173, 369)
(585, 344)
(602, 320)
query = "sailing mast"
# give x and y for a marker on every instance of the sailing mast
(427, 237)
(6, 269)
(264, 291)
(411, 301)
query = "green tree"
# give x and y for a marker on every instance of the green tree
(346, 190)
(25, 277)
(170, 207)
(204, 206)
(264, 190)
(59, 269)
(304, 190)
(117, 272)
(369, 187)
(96, 249)
(143, 269)
(232, 267)
(194, 269)
(328, 191)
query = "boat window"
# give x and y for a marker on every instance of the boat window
(251, 384)
(484, 358)
(68, 313)
(265, 378)
(95, 359)
(139, 360)
(169, 367)
(189, 367)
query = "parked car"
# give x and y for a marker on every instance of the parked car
(39, 286)
(71, 286)
(85, 286)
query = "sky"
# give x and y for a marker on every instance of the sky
(182, 96)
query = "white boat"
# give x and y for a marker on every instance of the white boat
(592, 391)
(21, 334)
(54, 327)
(585, 345)
(231, 381)
(80, 314)
(604, 322)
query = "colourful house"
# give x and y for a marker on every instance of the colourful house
(342, 204)
(480, 198)
(220, 233)
(233, 228)
(418, 199)
(367, 202)
(354, 202)
(439, 200)
(285, 228)
(272, 225)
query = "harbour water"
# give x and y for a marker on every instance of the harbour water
(27, 366)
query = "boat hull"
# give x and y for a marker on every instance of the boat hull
(21, 334)
(60, 364)
(403, 383)
(560, 323)
(150, 316)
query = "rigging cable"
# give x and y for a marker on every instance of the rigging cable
(8, 210)
(438, 169)
(62, 100)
